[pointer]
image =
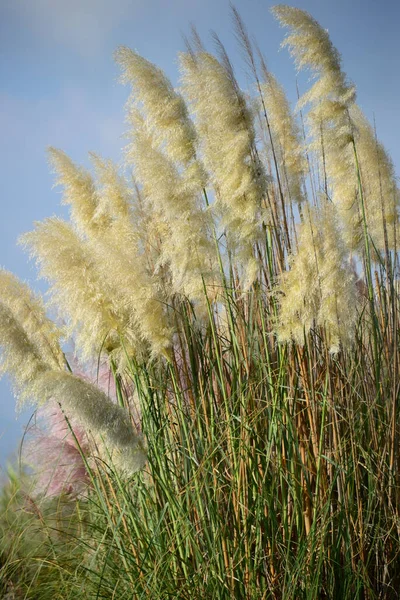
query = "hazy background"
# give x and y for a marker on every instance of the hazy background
(58, 86)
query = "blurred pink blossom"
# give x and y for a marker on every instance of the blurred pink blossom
(51, 450)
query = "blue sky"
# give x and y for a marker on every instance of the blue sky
(58, 86)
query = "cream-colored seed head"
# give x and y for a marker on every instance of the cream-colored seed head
(285, 135)
(113, 286)
(164, 109)
(300, 287)
(340, 129)
(100, 285)
(163, 153)
(379, 185)
(133, 294)
(341, 170)
(319, 289)
(37, 382)
(79, 193)
(114, 198)
(339, 301)
(227, 142)
(20, 357)
(329, 97)
(76, 289)
(311, 47)
(174, 195)
(28, 309)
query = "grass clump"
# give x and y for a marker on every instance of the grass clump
(240, 300)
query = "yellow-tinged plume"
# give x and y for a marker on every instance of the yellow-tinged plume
(36, 381)
(376, 177)
(330, 98)
(163, 153)
(20, 357)
(175, 196)
(76, 289)
(339, 296)
(227, 142)
(133, 292)
(311, 47)
(343, 136)
(285, 136)
(164, 109)
(28, 309)
(379, 184)
(79, 193)
(319, 289)
(114, 198)
(101, 286)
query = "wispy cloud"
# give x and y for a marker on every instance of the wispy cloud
(82, 25)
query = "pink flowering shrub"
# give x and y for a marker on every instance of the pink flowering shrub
(52, 452)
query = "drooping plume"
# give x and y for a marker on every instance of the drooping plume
(310, 46)
(97, 413)
(20, 358)
(28, 309)
(37, 382)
